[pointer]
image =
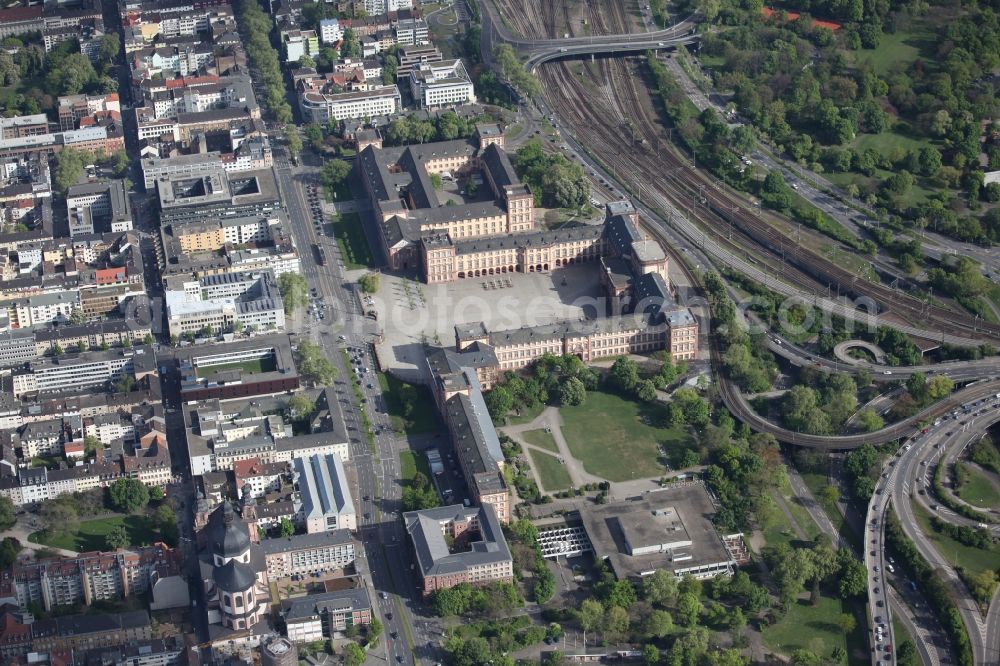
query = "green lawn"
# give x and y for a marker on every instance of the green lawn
(541, 439)
(552, 473)
(974, 560)
(816, 482)
(410, 462)
(888, 141)
(892, 50)
(808, 627)
(526, 416)
(978, 490)
(615, 438)
(92, 534)
(410, 406)
(351, 239)
(253, 367)
(342, 192)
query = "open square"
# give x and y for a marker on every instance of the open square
(412, 314)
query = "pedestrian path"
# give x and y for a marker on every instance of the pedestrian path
(551, 419)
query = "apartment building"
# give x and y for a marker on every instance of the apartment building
(306, 554)
(298, 43)
(86, 632)
(110, 332)
(330, 31)
(19, 20)
(93, 576)
(73, 371)
(219, 437)
(479, 555)
(320, 108)
(235, 91)
(438, 84)
(44, 308)
(316, 617)
(74, 108)
(254, 478)
(169, 651)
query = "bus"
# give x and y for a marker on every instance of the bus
(320, 255)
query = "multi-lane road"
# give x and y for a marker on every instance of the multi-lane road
(906, 480)
(344, 328)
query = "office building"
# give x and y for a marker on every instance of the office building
(438, 84)
(106, 204)
(316, 617)
(667, 529)
(231, 301)
(479, 554)
(320, 108)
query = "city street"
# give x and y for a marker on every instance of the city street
(379, 492)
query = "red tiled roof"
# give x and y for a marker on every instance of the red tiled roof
(21, 14)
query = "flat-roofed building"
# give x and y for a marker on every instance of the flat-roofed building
(437, 84)
(221, 370)
(105, 203)
(668, 529)
(74, 371)
(307, 554)
(321, 616)
(320, 108)
(222, 302)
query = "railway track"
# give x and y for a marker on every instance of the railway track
(716, 208)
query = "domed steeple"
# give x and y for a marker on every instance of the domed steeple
(231, 537)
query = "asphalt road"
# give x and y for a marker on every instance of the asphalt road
(379, 491)
(910, 473)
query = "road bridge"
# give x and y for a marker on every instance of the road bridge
(634, 44)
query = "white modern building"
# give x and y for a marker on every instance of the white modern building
(306, 554)
(299, 43)
(72, 371)
(412, 31)
(374, 7)
(220, 302)
(442, 83)
(377, 101)
(330, 31)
